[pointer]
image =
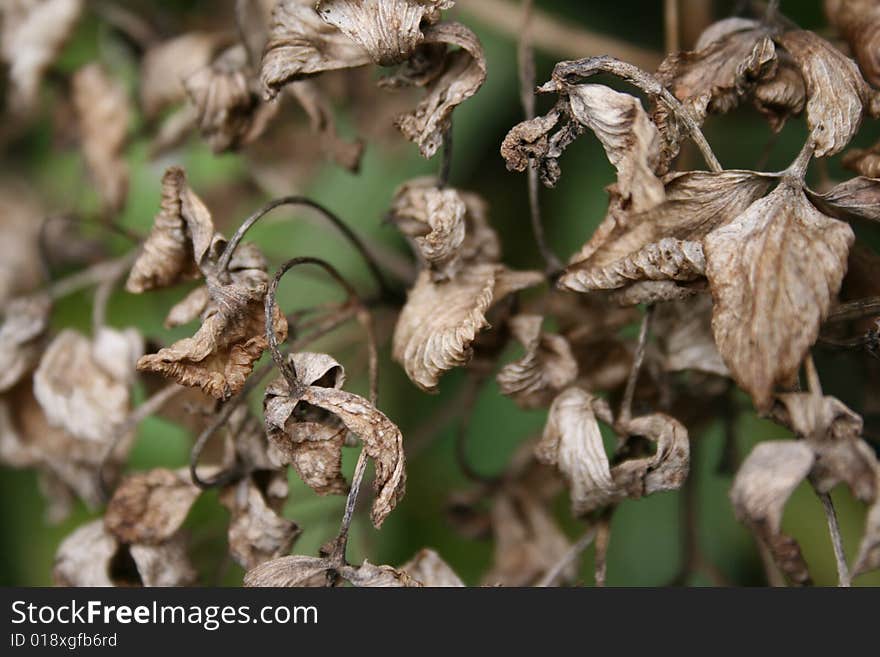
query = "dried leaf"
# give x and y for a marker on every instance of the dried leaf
(864, 161)
(301, 44)
(868, 558)
(293, 571)
(768, 304)
(663, 243)
(150, 507)
(179, 241)
(428, 567)
(103, 114)
(368, 575)
(95, 403)
(835, 88)
(440, 321)
(257, 533)
(164, 565)
(189, 308)
(166, 65)
(389, 30)
(760, 490)
(858, 198)
(222, 353)
(783, 95)
(684, 332)
(346, 154)
(547, 367)
(26, 320)
(859, 23)
(34, 32)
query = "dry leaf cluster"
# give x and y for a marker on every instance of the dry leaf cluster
(734, 276)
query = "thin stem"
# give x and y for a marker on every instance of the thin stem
(568, 73)
(843, 578)
(853, 310)
(337, 558)
(672, 25)
(574, 552)
(625, 415)
(347, 232)
(446, 158)
(102, 296)
(526, 65)
(603, 539)
(91, 276)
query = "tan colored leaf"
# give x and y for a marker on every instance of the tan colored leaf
(868, 558)
(833, 432)
(189, 308)
(25, 322)
(858, 198)
(92, 404)
(528, 542)
(230, 113)
(389, 30)
(179, 241)
(368, 575)
(428, 567)
(434, 219)
(463, 73)
(760, 490)
(257, 533)
(859, 23)
(222, 353)
(835, 88)
(293, 571)
(662, 243)
(783, 95)
(531, 140)
(547, 367)
(684, 332)
(103, 114)
(166, 65)
(150, 507)
(864, 161)
(34, 32)
(440, 321)
(164, 565)
(301, 44)
(774, 272)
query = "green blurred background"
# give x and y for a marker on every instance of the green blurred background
(646, 543)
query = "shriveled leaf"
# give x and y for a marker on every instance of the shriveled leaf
(389, 30)
(760, 490)
(835, 88)
(440, 321)
(428, 567)
(257, 533)
(189, 308)
(868, 558)
(25, 322)
(91, 405)
(663, 243)
(684, 332)
(774, 272)
(84, 557)
(164, 565)
(858, 198)
(463, 73)
(346, 154)
(864, 161)
(782, 95)
(179, 241)
(368, 575)
(547, 367)
(34, 32)
(103, 115)
(293, 571)
(150, 507)
(859, 23)
(301, 44)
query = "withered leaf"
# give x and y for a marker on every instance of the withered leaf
(319, 386)
(90, 556)
(858, 198)
(389, 30)
(166, 65)
(428, 567)
(188, 308)
(547, 367)
(528, 542)
(34, 32)
(222, 353)
(760, 490)
(663, 243)
(292, 571)
(440, 321)
(301, 44)
(103, 114)
(320, 112)
(463, 73)
(864, 161)
(94, 403)
(868, 557)
(179, 240)
(573, 443)
(835, 88)
(230, 113)
(25, 322)
(150, 507)
(773, 273)
(257, 533)
(783, 95)
(684, 332)
(859, 23)
(369, 576)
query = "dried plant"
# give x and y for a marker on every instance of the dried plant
(700, 281)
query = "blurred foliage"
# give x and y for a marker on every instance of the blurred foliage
(646, 542)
